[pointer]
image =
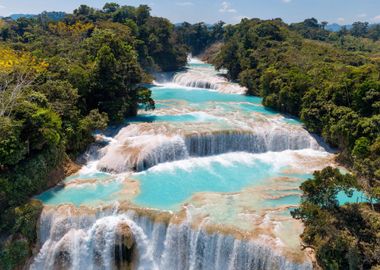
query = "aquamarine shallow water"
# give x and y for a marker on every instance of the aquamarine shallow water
(189, 117)
(201, 99)
(86, 194)
(168, 187)
(195, 95)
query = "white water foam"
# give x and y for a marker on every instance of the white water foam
(139, 147)
(89, 241)
(200, 77)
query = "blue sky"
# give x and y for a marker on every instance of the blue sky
(333, 11)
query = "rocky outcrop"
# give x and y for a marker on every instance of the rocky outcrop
(65, 169)
(125, 247)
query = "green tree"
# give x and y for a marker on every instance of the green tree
(359, 29)
(344, 237)
(361, 148)
(83, 10)
(114, 82)
(12, 150)
(110, 7)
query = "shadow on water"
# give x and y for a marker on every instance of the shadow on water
(323, 144)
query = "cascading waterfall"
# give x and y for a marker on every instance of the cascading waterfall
(201, 77)
(131, 151)
(224, 142)
(222, 210)
(90, 242)
(207, 81)
(140, 153)
(95, 241)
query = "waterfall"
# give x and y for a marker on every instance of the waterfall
(197, 80)
(228, 223)
(141, 153)
(105, 239)
(156, 145)
(199, 76)
(89, 242)
(232, 141)
(203, 79)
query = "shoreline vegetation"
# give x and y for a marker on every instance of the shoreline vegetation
(63, 77)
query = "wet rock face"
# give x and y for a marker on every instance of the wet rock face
(125, 247)
(62, 260)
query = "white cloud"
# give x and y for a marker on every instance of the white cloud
(226, 8)
(376, 18)
(286, 1)
(362, 15)
(1, 6)
(341, 20)
(185, 4)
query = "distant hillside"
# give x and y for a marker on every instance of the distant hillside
(183, 23)
(18, 16)
(334, 27)
(337, 27)
(54, 15)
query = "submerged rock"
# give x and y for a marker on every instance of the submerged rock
(125, 247)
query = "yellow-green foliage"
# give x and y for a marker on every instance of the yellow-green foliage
(77, 29)
(11, 60)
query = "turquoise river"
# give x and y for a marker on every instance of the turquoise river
(205, 181)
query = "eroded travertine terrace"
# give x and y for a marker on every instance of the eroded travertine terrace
(206, 181)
